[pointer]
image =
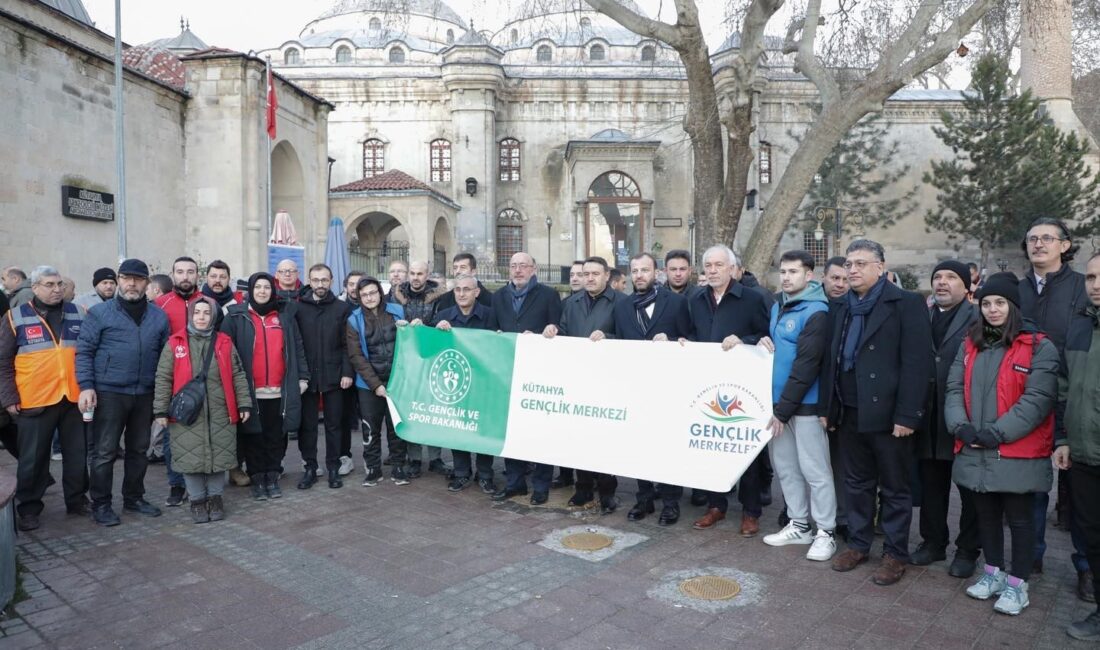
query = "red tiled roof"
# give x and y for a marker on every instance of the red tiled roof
(156, 62)
(394, 179)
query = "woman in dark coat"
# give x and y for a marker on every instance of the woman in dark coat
(266, 335)
(999, 405)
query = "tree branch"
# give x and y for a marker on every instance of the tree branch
(640, 24)
(807, 60)
(752, 40)
(946, 41)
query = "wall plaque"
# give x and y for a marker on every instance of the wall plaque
(81, 203)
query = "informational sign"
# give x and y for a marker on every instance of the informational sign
(278, 252)
(590, 405)
(81, 203)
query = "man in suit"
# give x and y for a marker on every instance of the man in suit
(524, 305)
(654, 313)
(873, 385)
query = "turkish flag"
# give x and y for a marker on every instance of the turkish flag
(272, 103)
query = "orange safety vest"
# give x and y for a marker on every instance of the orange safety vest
(45, 361)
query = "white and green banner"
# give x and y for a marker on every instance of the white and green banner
(689, 415)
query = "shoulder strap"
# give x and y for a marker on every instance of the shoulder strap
(209, 356)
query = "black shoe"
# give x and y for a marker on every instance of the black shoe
(176, 496)
(508, 493)
(334, 480)
(539, 498)
(27, 522)
(399, 477)
(962, 566)
(927, 554)
(698, 499)
(82, 508)
(561, 482)
(142, 507)
(437, 466)
(487, 486)
(458, 484)
(640, 510)
(766, 496)
(669, 516)
(105, 516)
(272, 484)
(580, 499)
(609, 505)
(414, 469)
(309, 477)
(1084, 587)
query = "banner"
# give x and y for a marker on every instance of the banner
(689, 415)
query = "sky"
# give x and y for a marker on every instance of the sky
(245, 25)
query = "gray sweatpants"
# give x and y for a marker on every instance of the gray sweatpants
(800, 458)
(202, 486)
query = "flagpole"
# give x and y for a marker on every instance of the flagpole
(120, 140)
(268, 83)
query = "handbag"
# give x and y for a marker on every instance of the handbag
(187, 404)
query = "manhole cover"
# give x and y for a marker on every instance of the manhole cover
(586, 541)
(710, 588)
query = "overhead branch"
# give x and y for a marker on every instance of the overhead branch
(639, 24)
(752, 46)
(806, 58)
(910, 39)
(946, 41)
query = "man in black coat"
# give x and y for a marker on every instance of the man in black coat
(951, 317)
(464, 264)
(873, 386)
(652, 313)
(525, 306)
(729, 313)
(322, 320)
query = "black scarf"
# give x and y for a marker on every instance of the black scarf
(134, 309)
(642, 301)
(52, 314)
(941, 321)
(857, 315)
(272, 302)
(222, 298)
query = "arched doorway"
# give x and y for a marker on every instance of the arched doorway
(287, 187)
(614, 222)
(376, 239)
(442, 245)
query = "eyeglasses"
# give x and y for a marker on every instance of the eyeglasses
(521, 265)
(859, 265)
(60, 284)
(464, 289)
(320, 280)
(287, 271)
(371, 293)
(1046, 239)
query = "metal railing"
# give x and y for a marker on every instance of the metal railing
(547, 274)
(376, 261)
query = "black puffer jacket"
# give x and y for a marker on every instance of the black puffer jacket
(322, 323)
(419, 304)
(1054, 308)
(380, 334)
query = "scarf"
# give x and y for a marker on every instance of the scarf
(221, 298)
(992, 335)
(642, 301)
(135, 309)
(265, 308)
(941, 320)
(857, 315)
(519, 295)
(54, 315)
(191, 329)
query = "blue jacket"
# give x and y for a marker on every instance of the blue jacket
(798, 329)
(116, 355)
(355, 321)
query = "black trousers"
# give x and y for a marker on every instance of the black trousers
(463, 468)
(264, 451)
(877, 462)
(9, 437)
(35, 442)
(116, 413)
(589, 482)
(350, 419)
(515, 473)
(1084, 486)
(994, 509)
(648, 491)
(373, 412)
(334, 418)
(748, 491)
(935, 479)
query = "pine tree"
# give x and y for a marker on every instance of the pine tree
(1009, 167)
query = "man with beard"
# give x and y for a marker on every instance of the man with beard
(322, 320)
(652, 313)
(116, 365)
(679, 273)
(104, 284)
(217, 287)
(398, 273)
(185, 277)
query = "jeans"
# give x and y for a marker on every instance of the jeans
(202, 486)
(994, 508)
(515, 473)
(115, 414)
(463, 469)
(334, 418)
(33, 471)
(175, 479)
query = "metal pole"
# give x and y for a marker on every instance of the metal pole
(120, 140)
(270, 212)
(549, 272)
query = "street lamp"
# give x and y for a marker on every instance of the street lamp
(549, 224)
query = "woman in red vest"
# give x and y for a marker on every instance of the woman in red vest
(999, 403)
(205, 450)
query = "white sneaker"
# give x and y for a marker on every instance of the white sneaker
(988, 585)
(1013, 600)
(791, 534)
(347, 464)
(823, 548)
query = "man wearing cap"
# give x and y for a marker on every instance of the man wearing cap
(104, 283)
(951, 316)
(116, 364)
(38, 389)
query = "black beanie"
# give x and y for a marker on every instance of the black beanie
(1004, 284)
(103, 274)
(958, 268)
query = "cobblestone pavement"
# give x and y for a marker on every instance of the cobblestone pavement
(419, 567)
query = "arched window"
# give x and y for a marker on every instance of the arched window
(397, 55)
(374, 157)
(292, 56)
(440, 161)
(450, 36)
(509, 236)
(649, 53)
(509, 160)
(343, 54)
(614, 185)
(515, 36)
(375, 24)
(614, 219)
(544, 54)
(586, 23)
(597, 53)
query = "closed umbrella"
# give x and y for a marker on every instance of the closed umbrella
(282, 232)
(336, 250)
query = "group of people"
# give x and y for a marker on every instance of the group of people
(881, 401)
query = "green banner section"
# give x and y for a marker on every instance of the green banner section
(451, 389)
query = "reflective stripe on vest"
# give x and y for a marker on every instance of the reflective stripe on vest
(45, 363)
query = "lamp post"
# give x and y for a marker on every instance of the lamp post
(549, 224)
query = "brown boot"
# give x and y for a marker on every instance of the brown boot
(713, 516)
(889, 571)
(750, 526)
(216, 508)
(848, 559)
(239, 478)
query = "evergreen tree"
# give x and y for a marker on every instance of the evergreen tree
(1009, 167)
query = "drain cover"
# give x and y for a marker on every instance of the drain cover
(586, 541)
(710, 588)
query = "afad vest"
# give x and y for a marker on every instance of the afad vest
(182, 372)
(45, 361)
(785, 328)
(1011, 380)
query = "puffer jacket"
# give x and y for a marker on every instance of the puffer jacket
(1078, 387)
(210, 444)
(985, 470)
(1054, 308)
(116, 355)
(419, 304)
(377, 332)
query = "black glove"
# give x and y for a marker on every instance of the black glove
(967, 433)
(986, 438)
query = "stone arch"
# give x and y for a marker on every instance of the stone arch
(377, 236)
(287, 185)
(443, 244)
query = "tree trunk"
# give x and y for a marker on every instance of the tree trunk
(739, 159)
(705, 130)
